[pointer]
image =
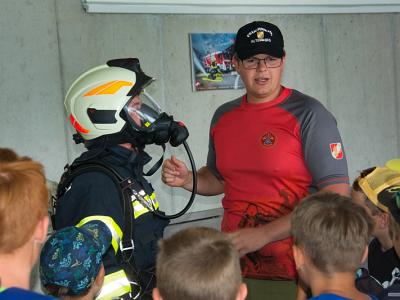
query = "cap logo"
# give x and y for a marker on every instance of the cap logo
(336, 150)
(260, 35)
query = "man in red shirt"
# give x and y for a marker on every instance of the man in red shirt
(268, 149)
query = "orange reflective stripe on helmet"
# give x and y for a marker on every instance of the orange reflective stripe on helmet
(109, 88)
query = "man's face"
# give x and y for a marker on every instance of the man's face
(262, 83)
(133, 109)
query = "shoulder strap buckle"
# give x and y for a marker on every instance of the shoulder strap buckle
(126, 245)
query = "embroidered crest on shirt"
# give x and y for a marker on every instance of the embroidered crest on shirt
(336, 150)
(268, 139)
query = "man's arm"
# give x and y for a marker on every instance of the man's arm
(340, 188)
(248, 240)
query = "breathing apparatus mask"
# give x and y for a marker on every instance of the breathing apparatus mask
(148, 124)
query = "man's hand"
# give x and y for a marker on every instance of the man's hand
(175, 173)
(252, 239)
(248, 240)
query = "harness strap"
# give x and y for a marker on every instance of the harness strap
(123, 185)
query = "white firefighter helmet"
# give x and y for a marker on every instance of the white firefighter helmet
(95, 100)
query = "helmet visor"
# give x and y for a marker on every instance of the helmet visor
(141, 111)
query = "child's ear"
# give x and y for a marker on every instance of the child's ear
(365, 255)
(100, 276)
(298, 256)
(156, 294)
(384, 220)
(242, 294)
(41, 229)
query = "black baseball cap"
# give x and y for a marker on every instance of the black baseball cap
(259, 38)
(390, 198)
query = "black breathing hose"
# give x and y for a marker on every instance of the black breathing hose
(194, 189)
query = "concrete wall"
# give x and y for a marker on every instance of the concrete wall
(350, 62)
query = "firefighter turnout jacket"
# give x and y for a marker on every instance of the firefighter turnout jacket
(94, 195)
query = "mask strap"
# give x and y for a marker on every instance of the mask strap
(157, 165)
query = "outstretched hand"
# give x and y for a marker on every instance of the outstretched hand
(175, 173)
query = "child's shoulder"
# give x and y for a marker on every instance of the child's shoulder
(329, 297)
(17, 293)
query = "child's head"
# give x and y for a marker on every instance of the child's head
(387, 196)
(380, 187)
(197, 264)
(71, 259)
(331, 233)
(380, 219)
(23, 201)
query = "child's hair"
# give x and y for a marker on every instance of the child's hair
(23, 199)
(197, 264)
(332, 231)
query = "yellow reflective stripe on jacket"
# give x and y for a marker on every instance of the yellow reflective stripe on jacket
(138, 208)
(114, 285)
(115, 230)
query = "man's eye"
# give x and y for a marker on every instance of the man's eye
(271, 59)
(250, 60)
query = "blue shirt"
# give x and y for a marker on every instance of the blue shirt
(17, 293)
(335, 297)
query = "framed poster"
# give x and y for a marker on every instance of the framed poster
(211, 61)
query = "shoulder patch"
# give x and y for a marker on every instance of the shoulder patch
(336, 150)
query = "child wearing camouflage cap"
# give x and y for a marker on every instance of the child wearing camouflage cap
(71, 261)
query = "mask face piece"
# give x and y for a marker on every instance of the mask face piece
(149, 125)
(141, 112)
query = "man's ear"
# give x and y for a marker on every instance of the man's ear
(41, 229)
(156, 294)
(283, 60)
(235, 61)
(365, 255)
(242, 294)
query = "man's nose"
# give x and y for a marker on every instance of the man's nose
(262, 63)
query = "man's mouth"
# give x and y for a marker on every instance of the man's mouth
(262, 80)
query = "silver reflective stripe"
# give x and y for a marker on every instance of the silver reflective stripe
(114, 234)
